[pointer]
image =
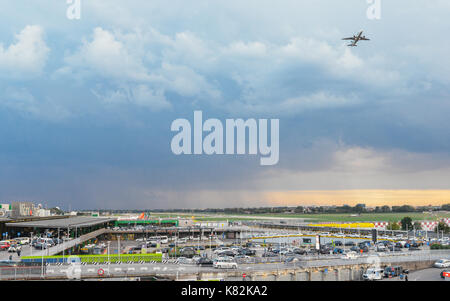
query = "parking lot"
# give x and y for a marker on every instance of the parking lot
(269, 251)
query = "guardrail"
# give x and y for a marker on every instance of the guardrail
(113, 258)
(14, 273)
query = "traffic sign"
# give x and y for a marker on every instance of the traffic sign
(101, 272)
(446, 274)
(244, 275)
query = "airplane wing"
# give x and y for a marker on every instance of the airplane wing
(365, 39)
(352, 39)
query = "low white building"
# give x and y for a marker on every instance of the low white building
(43, 212)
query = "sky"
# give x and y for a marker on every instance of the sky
(86, 105)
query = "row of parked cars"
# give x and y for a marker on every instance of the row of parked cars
(45, 243)
(236, 252)
(387, 272)
(14, 245)
(223, 262)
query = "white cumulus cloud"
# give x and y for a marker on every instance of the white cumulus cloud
(27, 56)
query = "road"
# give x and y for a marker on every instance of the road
(174, 269)
(432, 274)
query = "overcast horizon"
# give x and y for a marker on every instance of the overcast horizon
(86, 105)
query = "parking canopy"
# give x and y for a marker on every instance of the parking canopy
(72, 222)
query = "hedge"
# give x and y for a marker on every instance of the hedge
(439, 247)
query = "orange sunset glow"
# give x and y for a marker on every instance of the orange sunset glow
(353, 197)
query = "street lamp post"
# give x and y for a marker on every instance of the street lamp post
(108, 252)
(118, 247)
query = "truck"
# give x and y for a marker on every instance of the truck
(394, 271)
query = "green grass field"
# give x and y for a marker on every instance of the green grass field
(366, 217)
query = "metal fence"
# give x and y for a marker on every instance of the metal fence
(22, 273)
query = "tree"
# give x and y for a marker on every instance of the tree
(406, 223)
(299, 209)
(417, 226)
(386, 208)
(360, 208)
(404, 208)
(443, 227)
(393, 226)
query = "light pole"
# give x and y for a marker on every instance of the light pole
(31, 243)
(118, 247)
(109, 242)
(210, 247)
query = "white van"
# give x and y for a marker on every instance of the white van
(225, 264)
(373, 274)
(22, 240)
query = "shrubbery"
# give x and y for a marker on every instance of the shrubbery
(439, 247)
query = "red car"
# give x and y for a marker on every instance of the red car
(4, 245)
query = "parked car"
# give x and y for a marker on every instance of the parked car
(4, 245)
(349, 255)
(443, 263)
(355, 249)
(225, 264)
(205, 262)
(300, 251)
(326, 250)
(226, 253)
(312, 251)
(41, 245)
(57, 241)
(184, 260)
(394, 271)
(270, 254)
(292, 259)
(220, 249)
(380, 248)
(22, 240)
(398, 245)
(444, 273)
(338, 251)
(248, 252)
(373, 274)
(188, 252)
(412, 248)
(394, 249)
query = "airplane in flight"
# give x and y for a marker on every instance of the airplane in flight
(356, 39)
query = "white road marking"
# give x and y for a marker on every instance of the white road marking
(131, 269)
(118, 269)
(144, 269)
